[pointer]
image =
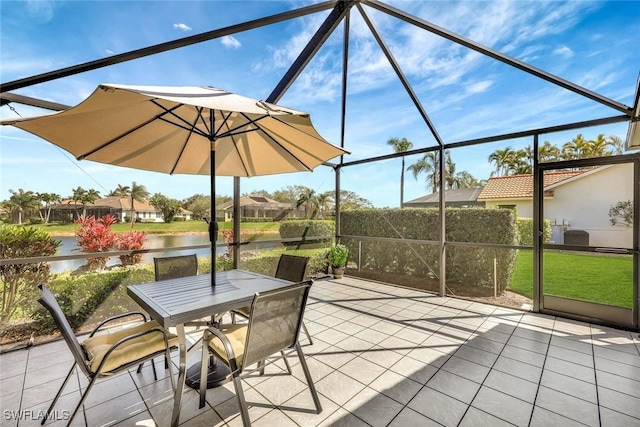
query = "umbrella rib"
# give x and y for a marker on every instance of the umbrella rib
(186, 126)
(288, 151)
(130, 131)
(231, 132)
(186, 142)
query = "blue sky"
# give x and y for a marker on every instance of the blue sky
(466, 95)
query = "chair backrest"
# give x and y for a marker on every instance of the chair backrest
(173, 267)
(51, 304)
(292, 268)
(275, 321)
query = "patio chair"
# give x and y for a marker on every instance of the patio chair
(173, 267)
(274, 323)
(291, 268)
(109, 353)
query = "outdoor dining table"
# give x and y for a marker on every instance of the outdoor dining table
(174, 302)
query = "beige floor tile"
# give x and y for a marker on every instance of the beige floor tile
(438, 407)
(503, 406)
(452, 385)
(568, 406)
(512, 385)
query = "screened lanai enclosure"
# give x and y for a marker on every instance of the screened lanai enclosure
(554, 231)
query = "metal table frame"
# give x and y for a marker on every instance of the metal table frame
(172, 303)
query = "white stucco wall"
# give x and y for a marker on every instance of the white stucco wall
(584, 202)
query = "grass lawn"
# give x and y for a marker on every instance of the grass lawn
(162, 228)
(605, 279)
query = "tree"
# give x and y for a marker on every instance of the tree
(401, 146)
(575, 149)
(548, 152)
(504, 160)
(429, 163)
(22, 202)
(616, 143)
(138, 193)
(350, 201)
(289, 194)
(308, 199)
(324, 203)
(48, 199)
(621, 213)
(168, 207)
(84, 197)
(120, 191)
(198, 204)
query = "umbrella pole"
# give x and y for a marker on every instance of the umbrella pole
(213, 224)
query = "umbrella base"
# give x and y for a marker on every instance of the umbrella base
(218, 375)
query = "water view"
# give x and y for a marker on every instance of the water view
(153, 241)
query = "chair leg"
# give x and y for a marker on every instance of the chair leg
(307, 375)
(83, 397)
(153, 366)
(55, 399)
(244, 412)
(286, 361)
(261, 366)
(306, 332)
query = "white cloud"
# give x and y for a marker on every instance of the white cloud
(230, 42)
(109, 51)
(563, 51)
(181, 26)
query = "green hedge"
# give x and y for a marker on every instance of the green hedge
(525, 231)
(468, 266)
(298, 229)
(255, 219)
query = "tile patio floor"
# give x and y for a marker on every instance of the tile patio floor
(382, 356)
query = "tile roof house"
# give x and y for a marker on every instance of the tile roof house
(257, 206)
(573, 200)
(120, 207)
(458, 198)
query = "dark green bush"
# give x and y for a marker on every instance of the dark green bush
(525, 231)
(299, 229)
(254, 219)
(471, 266)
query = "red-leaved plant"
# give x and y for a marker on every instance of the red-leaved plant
(133, 240)
(95, 235)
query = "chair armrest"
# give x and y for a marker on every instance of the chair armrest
(117, 316)
(228, 348)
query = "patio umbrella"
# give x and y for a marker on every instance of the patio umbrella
(185, 130)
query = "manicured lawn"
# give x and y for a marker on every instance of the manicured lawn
(162, 228)
(605, 279)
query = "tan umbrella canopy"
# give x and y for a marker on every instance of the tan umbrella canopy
(170, 129)
(184, 130)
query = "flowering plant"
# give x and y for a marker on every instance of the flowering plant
(133, 240)
(95, 235)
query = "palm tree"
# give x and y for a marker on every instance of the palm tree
(138, 193)
(22, 202)
(504, 159)
(430, 164)
(308, 199)
(324, 202)
(401, 146)
(575, 149)
(120, 191)
(48, 199)
(548, 152)
(84, 197)
(616, 143)
(449, 171)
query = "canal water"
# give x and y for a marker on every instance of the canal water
(153, 241)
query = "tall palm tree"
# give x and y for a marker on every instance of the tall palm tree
(48, 199)
(401, 146)
(548, 152)
(503, 158)
(22, 202)
(616, 143)
(575, 149)
(430, 164)
(449, 171)
(324, 202)
(308, 199)
(138, 193)
(120, 191)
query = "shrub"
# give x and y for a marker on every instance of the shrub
(300, 229)
(525, 231)
(95, 235)
(133, 240)
(337, 255)
(19, 282)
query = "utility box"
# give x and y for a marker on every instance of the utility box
(576, 237)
